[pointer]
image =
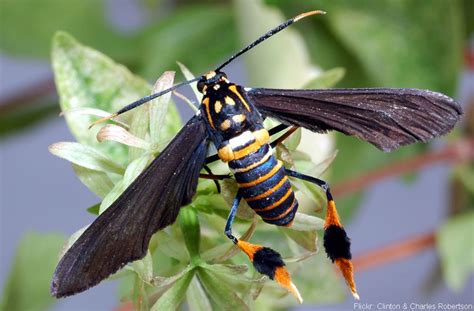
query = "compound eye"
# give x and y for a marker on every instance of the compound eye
(200, 85)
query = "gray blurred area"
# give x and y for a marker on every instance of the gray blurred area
(39, 192)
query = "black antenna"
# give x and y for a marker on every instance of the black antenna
(269, 34)
(251, 45)
(143, 100)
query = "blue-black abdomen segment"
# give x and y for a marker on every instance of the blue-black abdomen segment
(265, 186)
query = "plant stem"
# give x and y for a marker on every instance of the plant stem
(460, 150)
(27, 96)
(394, 251)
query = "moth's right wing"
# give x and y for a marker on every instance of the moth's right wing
(387, 118)
(122, 233)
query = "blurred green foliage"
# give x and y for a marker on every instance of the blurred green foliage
(27, 287)
(396, 43)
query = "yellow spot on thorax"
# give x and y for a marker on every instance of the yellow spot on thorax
(225, 125)
(239, 118)
(217, 106)
(229, 101)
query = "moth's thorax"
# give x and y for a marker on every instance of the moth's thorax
(225, 107)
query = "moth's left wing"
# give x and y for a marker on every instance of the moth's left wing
(387, 118)
(121, 234)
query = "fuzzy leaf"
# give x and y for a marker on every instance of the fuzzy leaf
(159, 109)
(326, 79)
(27, 286)
(173, 297)
(144, 268)
(223, 252)
(119, 134)
(228, 191)
(133, 170)
(93, 112)
(189, 76)
(164, 283)
(96, 181)
(220, 294)
(171, 246)
(455, 243)
(305, 239)
(304, 222)
(85, 156)
(94, 209)
(227, 269)
(196, 297)
(87, 78)
(189, 224)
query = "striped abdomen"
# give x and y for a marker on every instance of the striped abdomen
(262, 179)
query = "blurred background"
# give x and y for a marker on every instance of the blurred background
(409, 213)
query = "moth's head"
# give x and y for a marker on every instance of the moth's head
(210, 79)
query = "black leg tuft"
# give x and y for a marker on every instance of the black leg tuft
(336, 243)
(266, 261)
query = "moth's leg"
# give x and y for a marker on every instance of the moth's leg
(336, 242)
(265, 260)
(283, 137)
(277, 129)
(213, 177)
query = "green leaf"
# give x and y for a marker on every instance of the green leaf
(119, 134)
(27, 286)
(171, 246)
(85, 156)
(223, 252)
(361, 36)
(228, 192)
(305, 239)
(226, 269)
(132, 172)
(187, 35)
(173, 297)
(144, 268)
(94, 209)
(164, 283)
(304, 222)
(327, 79)
(87, 78)
(283, 61)
(196, 297)
(219, 293)
(455, 244)
(189, 224)
(97, 181)
(20, 39)
(235, 277)
(159, 109)
(189, 76)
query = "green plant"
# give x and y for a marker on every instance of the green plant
(360, 37)
(191, 259)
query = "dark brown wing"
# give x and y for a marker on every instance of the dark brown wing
(387, 118)
(122, 233)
